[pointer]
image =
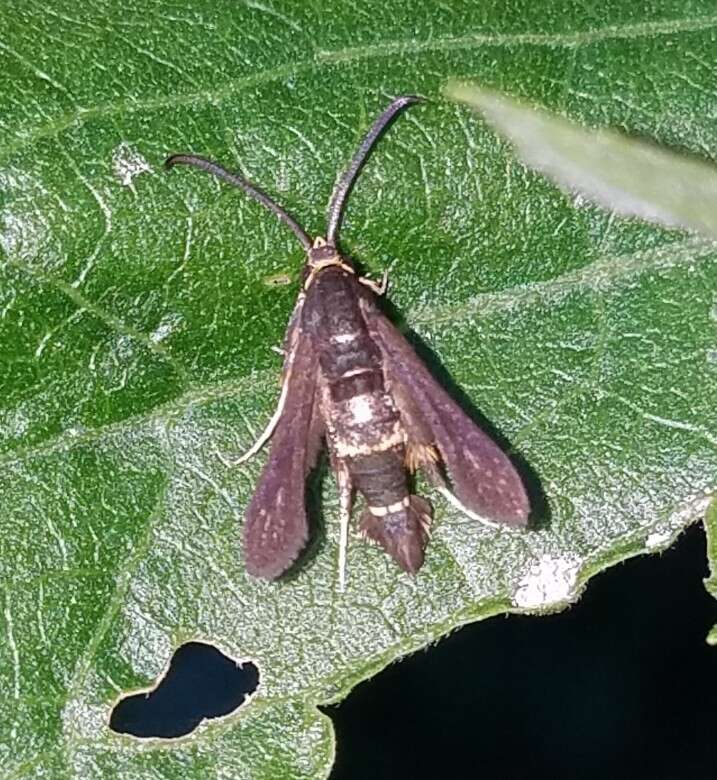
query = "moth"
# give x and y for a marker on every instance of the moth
(351, 379)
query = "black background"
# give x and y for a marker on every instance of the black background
(622, 685)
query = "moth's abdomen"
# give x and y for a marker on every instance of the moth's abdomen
(381, 477)
(363, 422)
(403, 533)
(393, 519)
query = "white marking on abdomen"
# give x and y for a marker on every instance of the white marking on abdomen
(344, 338)
(355, 372)
(361, 408)
(382, 511)
(349, 448)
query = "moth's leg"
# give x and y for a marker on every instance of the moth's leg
(426, 458)
(343, 478)
(378, 287)
(279, 350)
(273, 422)
(453, 499)
(271, 426)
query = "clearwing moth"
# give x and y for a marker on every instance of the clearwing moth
(350, 378)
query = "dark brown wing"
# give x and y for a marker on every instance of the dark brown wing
(484, 479)
(276, 528)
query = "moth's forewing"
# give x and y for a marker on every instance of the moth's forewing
(484, 479)
(276, 527)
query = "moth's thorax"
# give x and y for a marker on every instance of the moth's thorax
(333, 318)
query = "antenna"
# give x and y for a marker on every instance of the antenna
(238, 181)
(334, 215)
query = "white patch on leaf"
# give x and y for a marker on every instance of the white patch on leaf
(14, 423)
(549, 580)
(658, 538)
(127, 163)
(23, 228)
(167, 324)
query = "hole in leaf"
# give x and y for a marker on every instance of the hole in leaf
(200, 683)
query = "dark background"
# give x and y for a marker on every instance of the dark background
(622, 685)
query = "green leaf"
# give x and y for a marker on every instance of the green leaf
(629, 176)
(138, 311)
(711, 581)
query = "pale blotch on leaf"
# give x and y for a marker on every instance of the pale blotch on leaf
(127, 163)
(14, 422)
(549, 580)
(658, 539)
(167, 325)
(23, 230)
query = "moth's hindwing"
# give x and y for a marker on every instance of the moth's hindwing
(483, 478)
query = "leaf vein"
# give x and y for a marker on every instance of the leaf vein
(345, 55)
(594, 277)
(114, 322)
(123, 581)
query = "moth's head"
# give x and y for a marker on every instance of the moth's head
(321, 254)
